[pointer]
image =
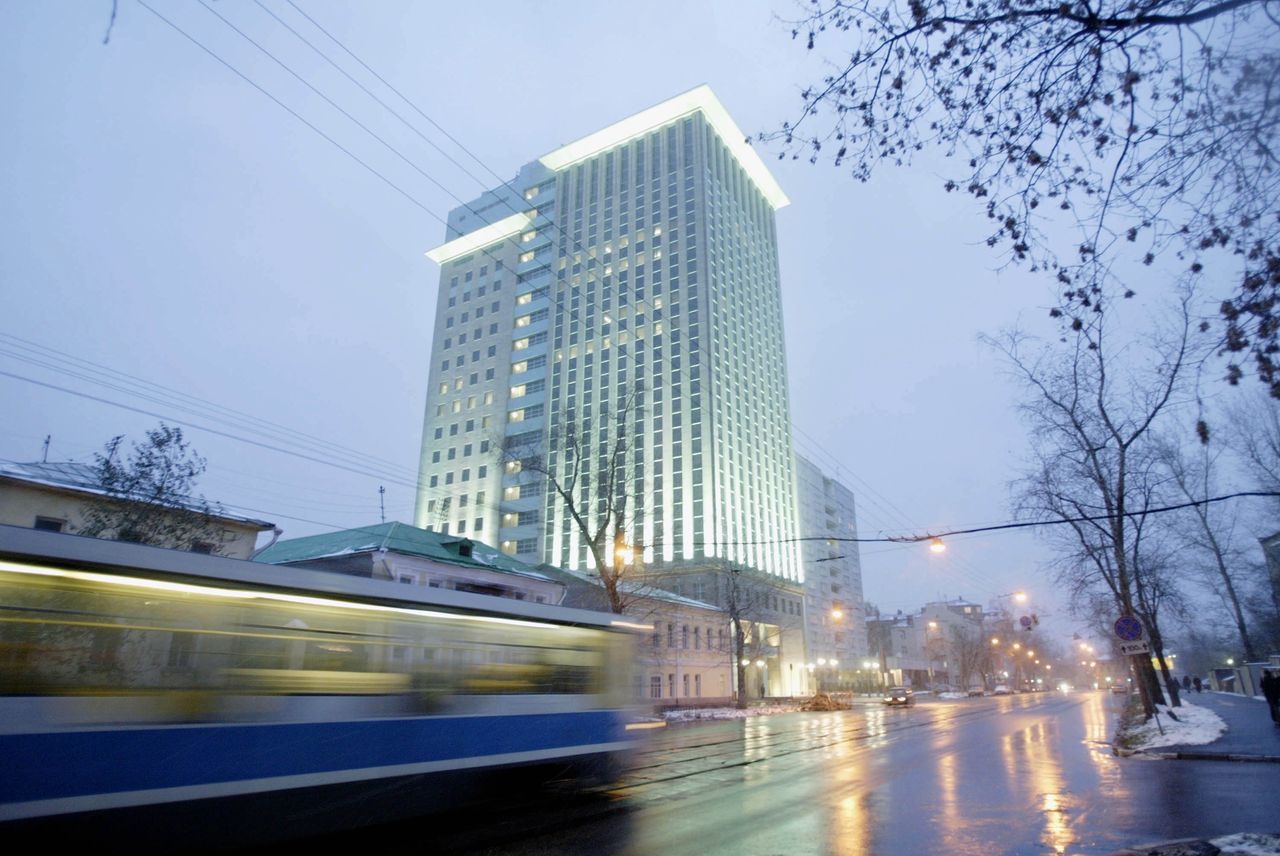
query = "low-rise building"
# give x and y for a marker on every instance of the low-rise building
(57, 496)
(940, 646)
(406, 554)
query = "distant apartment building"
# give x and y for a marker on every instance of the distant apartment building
(834, 623)
(935, 647)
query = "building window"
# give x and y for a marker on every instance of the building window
(671, 685)
(685, 687)
(49, 524)
(655, 686)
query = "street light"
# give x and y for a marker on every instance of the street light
(936, 545)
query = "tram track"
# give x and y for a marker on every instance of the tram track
(728, 751)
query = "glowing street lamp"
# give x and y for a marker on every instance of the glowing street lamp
(936, 546)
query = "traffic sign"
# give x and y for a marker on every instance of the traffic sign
(1142, 647)
(1025, 621)
(1128, 628)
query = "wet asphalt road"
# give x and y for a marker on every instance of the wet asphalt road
(1021, 774)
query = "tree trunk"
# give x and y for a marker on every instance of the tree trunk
(739, 660)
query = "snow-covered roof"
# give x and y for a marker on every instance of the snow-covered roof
(78, 477)
(398, 538)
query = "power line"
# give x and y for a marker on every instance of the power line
(556, 294)
(1025, 524)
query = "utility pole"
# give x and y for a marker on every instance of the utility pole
(382, 508)
(44, 458)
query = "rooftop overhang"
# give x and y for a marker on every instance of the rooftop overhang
(482, 237)
(695, 100)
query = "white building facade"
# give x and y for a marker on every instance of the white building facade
(627, 282)
(834, 621)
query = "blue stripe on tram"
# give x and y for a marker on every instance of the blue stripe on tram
(79, 763)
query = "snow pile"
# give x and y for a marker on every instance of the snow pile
(690, 714)
(1194, 727)
(1248, 844)
(953, 695)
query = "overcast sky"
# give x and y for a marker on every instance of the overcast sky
(166, 220)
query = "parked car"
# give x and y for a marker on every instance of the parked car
(1002, 689)
(1120, 689)
(899, 695)
(976, 692)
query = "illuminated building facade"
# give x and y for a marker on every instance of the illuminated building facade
(626, 282)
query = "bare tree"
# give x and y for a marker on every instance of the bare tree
(148, 497)
(971, 653)
(1091, 416)
(1148, 129)
(1207, 534)
(757, 624)
(588, 461)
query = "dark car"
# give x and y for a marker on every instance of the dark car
(899, 695)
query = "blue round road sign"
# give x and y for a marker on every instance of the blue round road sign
(1128, 628)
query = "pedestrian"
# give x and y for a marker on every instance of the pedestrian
(1186, 683)
(1271, 692)
(1173, 692)
(1196, 683)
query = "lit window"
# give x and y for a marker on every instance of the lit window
(457, 406)
(515, 416)
(520, 367)
(488, 399)
(524, 320)
(527, 297)
(518, 391)
(529, 236)
(520, 344)
(527, 257)
(530, 193)
(513, 467)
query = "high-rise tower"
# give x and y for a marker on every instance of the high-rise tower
(625, 286)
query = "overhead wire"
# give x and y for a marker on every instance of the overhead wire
(558, 296)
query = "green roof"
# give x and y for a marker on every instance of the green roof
(396, 538)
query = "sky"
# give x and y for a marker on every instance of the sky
(167, 220)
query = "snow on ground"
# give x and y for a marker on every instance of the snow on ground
(724, 712)
(1248, 844)
(953, 695)
(1196, 726)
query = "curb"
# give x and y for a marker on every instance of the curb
(1198, 846)
(1205, 756)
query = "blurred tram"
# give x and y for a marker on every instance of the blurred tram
(134, 679)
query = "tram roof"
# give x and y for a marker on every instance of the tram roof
(61, 550)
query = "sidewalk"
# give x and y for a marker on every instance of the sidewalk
(1250, 734)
